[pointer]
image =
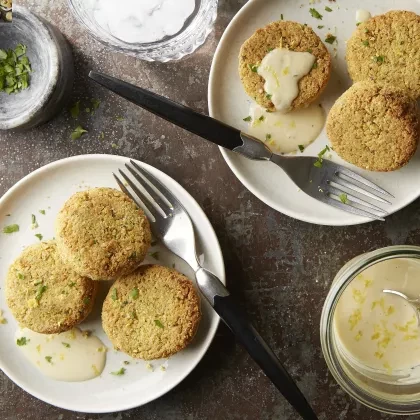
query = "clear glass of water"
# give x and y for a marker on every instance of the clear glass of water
(192, 35)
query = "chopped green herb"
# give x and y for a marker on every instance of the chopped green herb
(254, 68)
(39, 236)
(42, 212)
(20, 276)
(270, 49)
(119, 118)
(358, 23)
(75, 110)
(22, 341)
(86, 301)
(379, 59)
(72, 284)
(309, 51)
(268, 137)
(95, 104)
(33, 217)
(343, 198)
(318, 163)
(330, 39)
(262, 118)
(67, 345)
(41, 290)
(87, 110)
(126, 362)
(158, 323)
(281, 17)
(248, 119)
(119, 372)
(155, 255)
(11, 229)
(315, 66)
(48, 359)
(269, 96)
(114, 296)
(134, 293)
(114, 146)
(78, 132)
(320, 26)
(366, 43)
(301, 148)
(102, 135)
(314, 13)
(328, 9)
(14, 70)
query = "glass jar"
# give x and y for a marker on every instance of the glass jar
(192, 35)
(386, 395)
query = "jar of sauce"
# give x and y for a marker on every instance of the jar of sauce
(371, 339)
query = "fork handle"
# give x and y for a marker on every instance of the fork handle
(236, 319)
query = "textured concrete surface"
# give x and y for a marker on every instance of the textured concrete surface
(279, 268)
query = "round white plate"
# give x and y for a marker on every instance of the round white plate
(48, 188)
(229, 103)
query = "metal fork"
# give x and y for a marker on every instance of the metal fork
(172, 225)
(321, 179)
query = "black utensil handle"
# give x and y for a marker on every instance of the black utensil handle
(202, 125)
(237, 321)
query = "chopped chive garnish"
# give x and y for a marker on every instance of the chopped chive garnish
(320, 26)
(134, 293)
(254, 68)
(301, 148)
(39, 236)
(11, 229)
(48, 359)
(262, 118)
(158, 323)
(268, 96)
(22, 341)
(75, 110)
(379, 59)
(42, 212)
(281, 16)
(78, 132)
(114, 296)
(155, 255)
(41, 290)
(119, 372)
(366, 43)
(314, 13)
(67, 345)
(343, 198)
(328, 9)
(248, 118)
(330, 39)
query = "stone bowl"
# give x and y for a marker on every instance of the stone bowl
(52, 76)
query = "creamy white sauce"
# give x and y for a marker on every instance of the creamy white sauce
(378, 333)
(69, 356)
(362, 15)
(282, 69)
(283, 133)
(135, 21)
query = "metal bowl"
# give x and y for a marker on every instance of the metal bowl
(52, 74)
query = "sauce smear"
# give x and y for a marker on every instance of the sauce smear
(71, 356)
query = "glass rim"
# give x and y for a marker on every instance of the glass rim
(343, 278)
(150, 50)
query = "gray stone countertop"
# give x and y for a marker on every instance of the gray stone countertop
(279, 268)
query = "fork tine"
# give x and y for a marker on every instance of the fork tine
(166, 209)
(337, 192)
(158, 185)
(362, 180)
(141, 197)
(361, 189)
(350, 209)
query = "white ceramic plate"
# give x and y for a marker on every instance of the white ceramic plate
(229, 103)
(48, 188)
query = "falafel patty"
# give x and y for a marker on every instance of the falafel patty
(374, 127)
(102, 234)
(386, 49)
(45, 295)
(151, 313)
(294, 37)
